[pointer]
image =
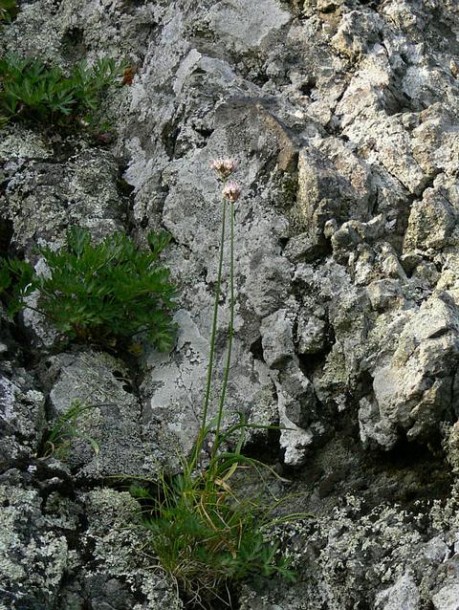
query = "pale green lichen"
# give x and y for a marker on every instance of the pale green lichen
(351, 546)
(18, 142)
(119, 547)
(32, 559)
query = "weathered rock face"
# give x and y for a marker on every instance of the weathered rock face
(342, 115)
(22, 417)
(36, 555)
(26, 542)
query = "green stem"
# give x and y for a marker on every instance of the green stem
(213, 336)
(226, 371)
(42, 313)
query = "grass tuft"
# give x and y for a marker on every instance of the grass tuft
(64, 430)
(208, 537)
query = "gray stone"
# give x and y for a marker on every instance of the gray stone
(107, 437)
(343, 117)
(241, 27)
(300, 400)
(44, 198)
(403, 595)
(122, 558)
(301, 248)
(413, 389)
(452, 447)
(174, 390)
(33, 558)
(22, 416)
(329, 189)
(384, 294)
(294, 441)
(436, 550)
(310, 333)
(277, 338)
(373, 427)
(431, 223)
(447, 598)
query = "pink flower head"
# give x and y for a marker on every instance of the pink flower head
(224, 167)
(231, 191)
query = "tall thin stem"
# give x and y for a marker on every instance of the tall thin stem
(213, 336)
(226, 371)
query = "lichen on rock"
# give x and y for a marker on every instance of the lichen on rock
(342, 117)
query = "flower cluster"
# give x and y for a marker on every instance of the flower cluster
(224, 168)
(231, 191)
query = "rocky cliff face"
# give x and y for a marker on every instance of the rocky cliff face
(343, 116)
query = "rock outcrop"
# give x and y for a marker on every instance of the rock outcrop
(342, 115)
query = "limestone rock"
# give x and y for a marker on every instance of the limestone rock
(277, 338)
(430, 224)
(329, 188)
(108, 437)
(44, 198)
(123, 570)
(413, 390)
(33, 559)
(22, 415)
(294, 441)
(384, 294)
(173, 390)
(403, 595)
(343, 117)
(447, 598)
(311, 333)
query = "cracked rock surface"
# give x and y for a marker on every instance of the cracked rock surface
(343, 117)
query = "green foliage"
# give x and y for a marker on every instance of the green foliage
(64, 431)
(8, 10)
(35, 92)
(208, 537)
(103, 293)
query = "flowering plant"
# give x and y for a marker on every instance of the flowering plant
(206, 536)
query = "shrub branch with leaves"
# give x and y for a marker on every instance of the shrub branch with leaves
(8, 10)
(105, 293)
(33, 91)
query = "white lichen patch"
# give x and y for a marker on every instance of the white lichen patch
(31, 558)
(121, 547)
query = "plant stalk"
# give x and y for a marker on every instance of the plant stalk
(213, 337)
(226, 370)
